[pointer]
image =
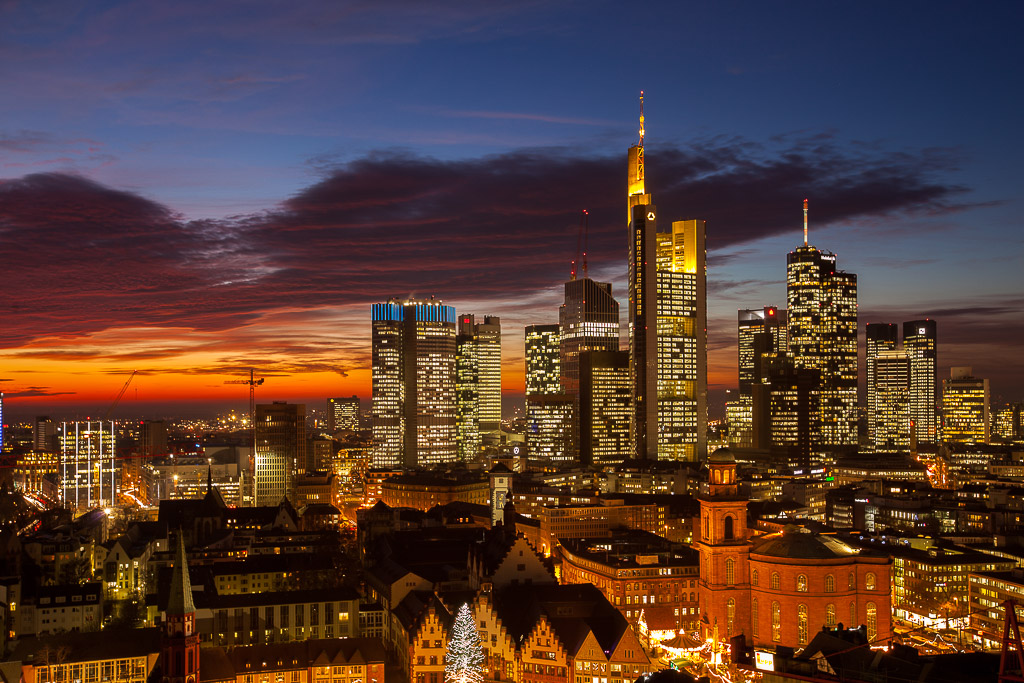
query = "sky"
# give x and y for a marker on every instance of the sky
(191, 189)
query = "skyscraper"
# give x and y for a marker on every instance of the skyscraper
(889, 422)
(760, 331)
(822, 310)
(488, 334)
(920, 341)
(643, 302)
(588, 320)
(88, 472)
(413, 383)
(682, 341)
(878, 337)
(965, 407)
(467, 389)
(543, 350)
(343, 414)
(280, 450)
(605, 395)
(44, 431)
(787, 408)
(549, 411)
(478, 379)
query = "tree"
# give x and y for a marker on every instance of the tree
(464, 658)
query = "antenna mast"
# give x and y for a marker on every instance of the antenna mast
(805, 222)
(640, 152)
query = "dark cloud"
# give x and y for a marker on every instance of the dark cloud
(32, 392)
(79, 257)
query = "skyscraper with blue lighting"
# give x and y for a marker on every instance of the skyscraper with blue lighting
(413, 377)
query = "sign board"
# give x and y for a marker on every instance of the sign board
(765, 661)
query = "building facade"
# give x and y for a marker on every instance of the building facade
(682, 341)
(604, 407)
(890, 417)
(280, 450)
(965, 407)
(588, 320)
(759, 332)
(414, 401)
(878, 337)
(343, 414)
(920, 342)
(88, 471)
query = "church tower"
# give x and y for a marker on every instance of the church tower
(501, 492)
(179, 650)
(723, 543)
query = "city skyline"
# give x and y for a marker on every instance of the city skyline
(193, 223)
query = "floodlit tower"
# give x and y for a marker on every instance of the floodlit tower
(822, 309)
(643, 302)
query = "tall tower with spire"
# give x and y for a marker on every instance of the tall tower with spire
(179, 651)
(822, 304)
(642, 215)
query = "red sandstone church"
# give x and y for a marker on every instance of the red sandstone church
(780, 589)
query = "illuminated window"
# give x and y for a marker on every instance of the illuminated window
(730, 615)
(801, 583)
(730, 572)
(830, 584)
(869, 581)
(853, 614)
(830, 615)
(753, 578)
(872, 621)
(801, 624)
(753, 616)
(776, 622)
(775, 581)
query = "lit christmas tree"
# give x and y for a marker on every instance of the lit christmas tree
(464, 659)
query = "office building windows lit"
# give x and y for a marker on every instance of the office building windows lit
(588, 320)
(682, 341)
(88, 472)
(891, 396)
(413, 376)
(822, 310)
(965, 407)
(281, 451)
(920, 342)
(878, 337)
(605, 395)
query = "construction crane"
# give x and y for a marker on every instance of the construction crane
(110, 410)
(581, 242)
(253, 383)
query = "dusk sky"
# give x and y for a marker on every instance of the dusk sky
(190, 189)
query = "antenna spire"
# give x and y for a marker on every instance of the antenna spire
(805, 222)
(641, 144)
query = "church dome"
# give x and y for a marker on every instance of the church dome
(803, 545)
(722, 456)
